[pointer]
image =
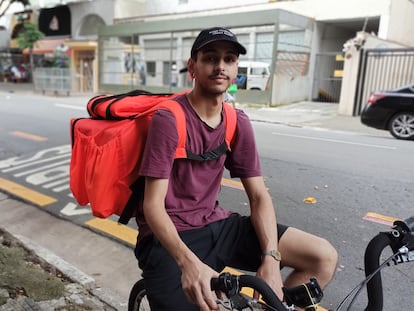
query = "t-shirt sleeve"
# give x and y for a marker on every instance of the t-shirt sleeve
(243, 161)
(160, 147)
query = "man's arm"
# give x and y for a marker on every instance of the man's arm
(196, 275)
(263, 219)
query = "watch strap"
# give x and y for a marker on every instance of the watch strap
(273, 253)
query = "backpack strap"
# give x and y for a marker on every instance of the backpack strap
(138, 186)
(179, 115)
(230, 122)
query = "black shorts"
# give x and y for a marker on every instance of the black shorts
(230, 242)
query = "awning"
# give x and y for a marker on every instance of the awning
(45, 46)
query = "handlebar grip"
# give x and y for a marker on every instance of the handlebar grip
(371, 261)
(268, 295)
(215, 284)
(407, 225)
(232, 284)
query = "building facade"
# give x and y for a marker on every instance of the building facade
(144, 44)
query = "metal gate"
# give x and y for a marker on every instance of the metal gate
(328, 77)
(55, 80)
(382, 69)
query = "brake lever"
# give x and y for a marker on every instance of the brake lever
(237, 302)
(225, 303)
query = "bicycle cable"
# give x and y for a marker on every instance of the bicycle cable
(357, 289)
(252, 305)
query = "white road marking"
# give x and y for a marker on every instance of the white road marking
(71, 107)
(35, 162)
(41, 168)
(71, 209)
(336, 141)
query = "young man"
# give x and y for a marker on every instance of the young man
(185, 236)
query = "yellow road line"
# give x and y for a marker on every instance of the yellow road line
(232, 183)
(25, 193)
(122, 232)
(381, 219)
(28, 136)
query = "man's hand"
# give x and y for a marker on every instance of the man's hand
(269, 271)
(196, 279)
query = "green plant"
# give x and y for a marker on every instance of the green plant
(27, 39)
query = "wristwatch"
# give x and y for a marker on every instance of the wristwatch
(274, 253)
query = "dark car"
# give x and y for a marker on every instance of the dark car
(391, 110)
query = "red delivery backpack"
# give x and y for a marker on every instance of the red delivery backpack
(107, 149)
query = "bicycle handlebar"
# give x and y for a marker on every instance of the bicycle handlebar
(303, 296)
(402, 235)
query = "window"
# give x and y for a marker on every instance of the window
(151, 69)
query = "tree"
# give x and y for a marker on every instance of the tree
(5, 5)
(27, 38)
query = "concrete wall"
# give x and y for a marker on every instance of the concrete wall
(4, 39)
(318, 9)
(138, 9)
(401, 25)
(290, 89)
(36, 4)
(332, 37)
(102, 8)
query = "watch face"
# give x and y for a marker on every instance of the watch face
(276, 255)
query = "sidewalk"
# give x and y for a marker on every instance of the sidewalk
(106, 269)
(313, 115)
(101, 271)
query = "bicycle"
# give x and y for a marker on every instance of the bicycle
(307, 296)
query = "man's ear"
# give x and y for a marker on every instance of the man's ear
(190, 67)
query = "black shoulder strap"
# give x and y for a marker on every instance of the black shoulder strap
(230, 122)
(208, 156)
(135, 199)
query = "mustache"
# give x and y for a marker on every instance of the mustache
(219, 75)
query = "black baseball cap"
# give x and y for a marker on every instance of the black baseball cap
(214, 34)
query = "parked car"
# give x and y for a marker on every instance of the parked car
(253, 75)
(391, 110)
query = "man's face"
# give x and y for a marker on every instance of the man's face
(215, 67)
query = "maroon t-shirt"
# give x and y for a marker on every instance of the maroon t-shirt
(193, 187)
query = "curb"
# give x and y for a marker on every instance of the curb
(66, 268)
(105, 295)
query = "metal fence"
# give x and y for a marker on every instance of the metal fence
(56, 80)
(327, 81)
(382, 69)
